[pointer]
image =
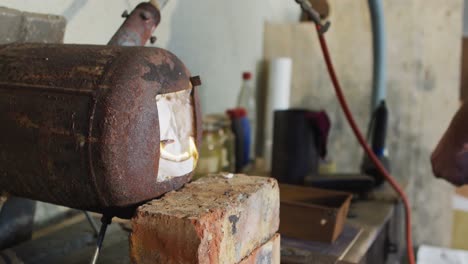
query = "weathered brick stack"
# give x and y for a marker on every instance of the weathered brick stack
(213, 220)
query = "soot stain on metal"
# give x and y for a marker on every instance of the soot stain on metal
(168, 71)
(234, 219)
(429, 82)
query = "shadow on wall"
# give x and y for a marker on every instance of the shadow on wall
(73, 9)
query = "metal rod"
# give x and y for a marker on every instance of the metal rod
(106, 220)
(92, 223)
(138, 26)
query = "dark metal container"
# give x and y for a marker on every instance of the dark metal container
(79, 125)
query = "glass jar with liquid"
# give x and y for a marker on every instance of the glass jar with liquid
(228, 144)
(210, 150)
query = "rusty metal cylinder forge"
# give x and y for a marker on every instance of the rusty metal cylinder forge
(79, 124)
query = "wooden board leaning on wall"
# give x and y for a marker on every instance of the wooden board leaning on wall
(464, 72)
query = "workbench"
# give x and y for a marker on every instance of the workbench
(378, 219)
(378, 226)
(382, 236)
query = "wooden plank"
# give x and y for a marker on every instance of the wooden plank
(460, 230)
(464, 70)
(371, 216)
(463, 191)
(301, 251)
(366, 222)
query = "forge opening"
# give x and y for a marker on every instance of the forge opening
(177, 134)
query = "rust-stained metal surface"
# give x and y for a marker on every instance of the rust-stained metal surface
(79, 123)
(138, 26)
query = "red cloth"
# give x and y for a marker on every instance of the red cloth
(322, 125)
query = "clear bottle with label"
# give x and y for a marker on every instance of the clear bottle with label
(248, 101)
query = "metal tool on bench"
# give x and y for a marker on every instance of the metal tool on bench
(377, 135)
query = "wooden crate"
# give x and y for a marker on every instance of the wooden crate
(311, 213)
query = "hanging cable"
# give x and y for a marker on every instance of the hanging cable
(365, 146)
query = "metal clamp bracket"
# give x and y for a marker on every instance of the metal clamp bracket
(313, 15)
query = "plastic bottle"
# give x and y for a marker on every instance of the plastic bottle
(248, 101)
(238, 130)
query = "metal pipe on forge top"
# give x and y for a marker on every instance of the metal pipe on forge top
(138, 26)
(80, 124)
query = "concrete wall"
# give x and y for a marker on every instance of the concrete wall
(465, 19)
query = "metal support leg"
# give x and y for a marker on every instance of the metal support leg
(106, 220)
(92, 223)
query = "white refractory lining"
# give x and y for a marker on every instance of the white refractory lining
(176, 122)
